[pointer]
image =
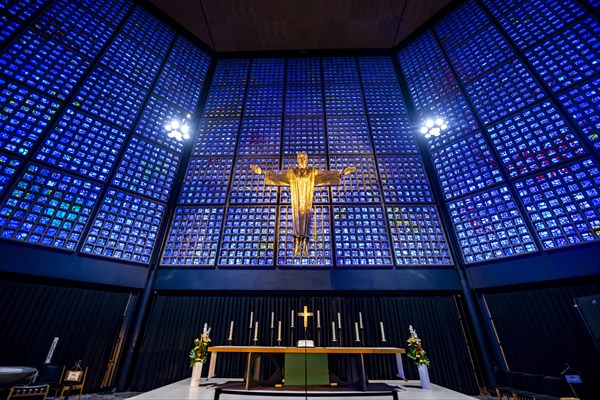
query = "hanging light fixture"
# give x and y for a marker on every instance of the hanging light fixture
(179, 130)
(433, 127)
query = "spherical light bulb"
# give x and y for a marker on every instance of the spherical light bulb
(424, 130)
(444, 127)
(439, 121)
(168, 127)
(185, 129)
(435, 131)
(186, 135)
(175, 124)
(429, 123)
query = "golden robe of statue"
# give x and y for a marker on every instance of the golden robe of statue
(302, 181)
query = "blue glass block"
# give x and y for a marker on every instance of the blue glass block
(125, 227)
(393, 135)
(304, 134)
(260, 136)
(303, 71)
(452, 30)
(180, 89)
(70, 24)
(583, 105)
(189, 59)
(348, 135)
(420, 53)
(305, 100)
(8, 167)
(132, 61)
(250, 188)
(384, 100)
(568, 57)
(14, 13)
(25, 116)
(404, 179)
(527, 22)
(418, 237)
(359, 187)
(340, 70)
(321, 193)
(264, 101)
(151, 124)
(431, 84)
(224, 101)
(48, 208)
(564, 203)
(592, 3)
(7, 29)
(111, 11)
(216, 137)
(489, 226)
(147, 169)
(479, 54)
(343, 100)
(43, 64)
(149, 31)
(505, 90)
(206, 181)
(360, 236)
(231, 72)
(377, 70)
(248, 238)
(267, 71)
(80, 144)
(193, 237)
(466, 166)
(110, 98)
(535, 138)
(319, 248)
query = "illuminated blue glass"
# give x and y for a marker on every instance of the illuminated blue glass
(224, 101)
(569, 56)
(321, 193)
(466, 166)
(319, 248)
(377, 70)
(348, 135)
(361, 238)
(489, 226)
(417, 235)
(592, 3)
(231, 72)
(267, 71)
(304, 134)
(431, 84)
(8, 167)
(507, 89)
(189, 59)
(43, 64)
(583, 105)
(83, 145)
(421, 52)
(303, 71)
(343, 100)
(216, 137)
(125, 228)
(452, 30)
(263, 101)
(340, 70)
(132, 61)
(110, 98)
(384, 100)
(206, 181)
(151, 124)
(147, 169)
(248, 237)
(48, 208)
(7, 29)
(111, 11)
(534, 139)
(393, 135)
(149, 31)
(359, 187)
(404, 179)
(193, 236)
(250, 188)
(180, 89)
(304, 100)
(14, 13)
(25, 116)
(260, 136)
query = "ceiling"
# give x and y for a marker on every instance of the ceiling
(267, 25)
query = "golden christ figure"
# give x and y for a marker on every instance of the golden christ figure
(302, 181)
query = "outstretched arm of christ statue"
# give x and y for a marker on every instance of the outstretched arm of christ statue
(272, 178)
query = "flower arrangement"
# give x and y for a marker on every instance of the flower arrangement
(199, 354)
(415, 349)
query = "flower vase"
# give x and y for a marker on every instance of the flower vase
(424, 376)
(196, 374)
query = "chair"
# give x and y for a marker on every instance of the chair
(73, 382)
(33, 392)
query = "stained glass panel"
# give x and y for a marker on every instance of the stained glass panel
(583, 105)
(267, 71)
(384, 100)
(206, 181)
(377, 70)
(263, 101)
(260, 136)
(216, 137)
(340, 70)
(404, 179)
(250, 188)
(8, 167)
(224, 101)
(348, 135)
(393, 135)
(343, 100)
(151, 124)
(359, 187)
(304, 134)
(149, 31)
(180, 89)
(305, 100)
(303, 71)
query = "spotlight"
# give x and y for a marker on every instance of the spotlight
(433, 127)
(179, 129)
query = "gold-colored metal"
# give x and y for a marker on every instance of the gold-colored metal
(302, 181)
(305, 314)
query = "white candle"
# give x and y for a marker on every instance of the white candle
(382, 332)
(339, 321)
(292, 319)
(279, 330)
(251, 318)
(256, 330)
(230, 331)
(333, 330)
(356, 330)
(318, 319)
(360, 319)
(205, 327)
(272, 319)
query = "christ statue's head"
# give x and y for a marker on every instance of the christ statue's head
(302, 159)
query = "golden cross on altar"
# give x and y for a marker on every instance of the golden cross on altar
(305, 314)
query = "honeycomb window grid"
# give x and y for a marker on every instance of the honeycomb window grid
(189, 59)
(180, 89)
(343, 100)
(404, 179)
(224, 101)
(304, 100)
(267, 71)
(304, 134)
(303, 71)
(260, 136)
(216, 137)
(8, 167)
(419, 53)
(320, 194)
(248, 187)
(384, 100)
(393, 135)
(377, 70)
(361, 186)
(340, 70)
(450, 29)
(432, 84)
(263, 101)
(113, 11)
(582, 102)
(151, 123)
(149, 31)
(348, 135)
(206, 181)
(231, 73)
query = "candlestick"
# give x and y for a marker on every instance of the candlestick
(279, 331)
(360, 320)
(251, 318)
(333, 331)
(256, 330)
(272, 319)
(230, 331)
(339, 321)
(382, 332)
(356, 330)
(318, 319)
(292, 325)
